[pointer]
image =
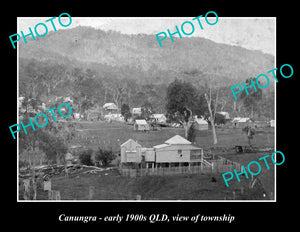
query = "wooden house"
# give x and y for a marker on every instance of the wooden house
(177, 150)
(110, 108)
(141, 125)
(201, 124)
(131, 152)
(242, 122)
(159, 118)
(136, 112)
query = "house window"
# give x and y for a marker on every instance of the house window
(180, 153)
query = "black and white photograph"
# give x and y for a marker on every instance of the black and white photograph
(146, 108)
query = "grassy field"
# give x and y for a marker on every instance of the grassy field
(110, 185)
(103, 134)
(112, 135)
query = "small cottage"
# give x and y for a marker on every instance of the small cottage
(114, 117)
(272, 123)
(141, 125)
(110, 107)
(159, 118)
(242, 122)
(136, 112)
(201, 124)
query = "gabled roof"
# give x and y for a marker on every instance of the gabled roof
(177, 139)
(110, 106)
(238, 119)
(225, 114)
(130, 141)
(161, 146)
(158, 115)
(201, 121)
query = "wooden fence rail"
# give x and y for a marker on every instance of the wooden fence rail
(217, 167)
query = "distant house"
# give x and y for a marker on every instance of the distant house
(141, 125)
(272, 123)
(260, 124)
(221, 118)
(68, 99)
(114, 117)
(64, 99)
(160, 118)
(201, 124)
(136, 112)
(110, 107)
(239, 122)
(225, 114)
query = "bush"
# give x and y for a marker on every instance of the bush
(86, 157)
(104, 156)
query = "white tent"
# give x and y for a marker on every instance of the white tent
(110, 106)
(141, 125)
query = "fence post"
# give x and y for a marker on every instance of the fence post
(26, 194)
(91, 192)
(57, 195)
(50, 195)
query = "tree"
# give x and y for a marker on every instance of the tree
(146, 110)
(125, 111)
(86, 89)
(192, 133)
(212, 114)
(251, 101)
(53, 146)
(181, 101)
(104, 156)
(86, 157)
(220, 119)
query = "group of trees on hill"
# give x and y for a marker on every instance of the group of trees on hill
(43, 82)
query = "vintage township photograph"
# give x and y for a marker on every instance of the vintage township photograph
(146, 122)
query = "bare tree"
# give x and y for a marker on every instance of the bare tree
(212, 114)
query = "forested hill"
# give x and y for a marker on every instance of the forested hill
(141, 58)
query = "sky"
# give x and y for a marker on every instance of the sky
(255, 33)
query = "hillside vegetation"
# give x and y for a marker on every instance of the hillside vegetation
(134, 69)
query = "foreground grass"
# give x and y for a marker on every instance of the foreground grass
(109, 185)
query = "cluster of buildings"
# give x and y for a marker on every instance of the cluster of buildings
(200, 123)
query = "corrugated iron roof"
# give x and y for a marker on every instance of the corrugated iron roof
(177, 139)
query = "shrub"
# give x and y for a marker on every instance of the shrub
(86, 157)
(104, 156)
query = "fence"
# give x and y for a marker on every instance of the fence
(222, 165)
(218, 166)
